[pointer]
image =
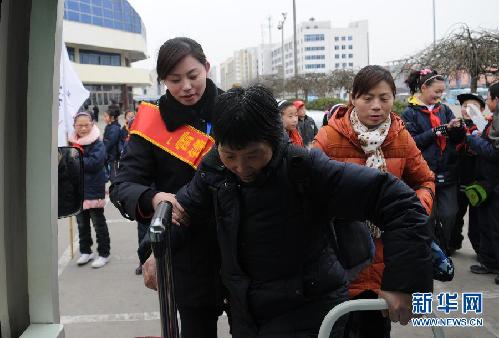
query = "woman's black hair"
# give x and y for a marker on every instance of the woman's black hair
(174, 50)
(494, 91)
(368, 77)
(113, 110)
(283, 105)
(418, 78)
(245, 116)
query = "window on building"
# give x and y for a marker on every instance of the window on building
(314, 48)
(114, 14)
(344, 65)
(343, 56)
(336, 56)
(336, 65)
(350, 47)
(350, 56)
(343, 38)
(336, 47)
(336, 38)
(350, 64)
(71, 53)
(343, 47)
(99, 58)
(315, 57)
(315, 66)
(314, 37)
(350, 38)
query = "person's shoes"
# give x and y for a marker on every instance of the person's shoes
(482, 269)
(138, 270)
(85, 258)
(100, 262)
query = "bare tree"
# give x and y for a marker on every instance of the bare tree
(474, 52)
(342, 79)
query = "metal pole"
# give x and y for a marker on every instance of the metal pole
(282, 56)
(160, 234)
(362, 305)
(295, 47)
(71, 234)
(434, 26)
(270, 29)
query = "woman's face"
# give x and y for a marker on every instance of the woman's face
(107, 117)
(187, 80)
(374, 106)
(248, 162)
(431, 94)
(83, 126)
(129, 116)
(290, 118)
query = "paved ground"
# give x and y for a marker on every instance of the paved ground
(112, 301)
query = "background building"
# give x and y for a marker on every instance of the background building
(103, 38)
(322, 49)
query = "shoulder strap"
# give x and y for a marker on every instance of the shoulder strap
(297, 159)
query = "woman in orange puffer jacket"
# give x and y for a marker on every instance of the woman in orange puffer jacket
(368, 133)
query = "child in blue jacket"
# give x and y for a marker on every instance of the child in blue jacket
(86, 138)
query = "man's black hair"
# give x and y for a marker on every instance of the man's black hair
(244, 116)
(494, 91)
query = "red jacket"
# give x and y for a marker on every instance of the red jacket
(403, 159)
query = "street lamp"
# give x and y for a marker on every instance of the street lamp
(280, 26)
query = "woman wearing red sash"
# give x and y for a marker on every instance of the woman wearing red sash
(166, 143)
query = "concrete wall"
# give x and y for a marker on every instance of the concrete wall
(105, 39)
(4, 311)
(31, 34)
(97, 74)
(13, 145)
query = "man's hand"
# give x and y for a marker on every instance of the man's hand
(399, 306)
(149, 273)
(179, 214)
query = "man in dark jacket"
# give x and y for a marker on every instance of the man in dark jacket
(306, 124)
(277, 264)
(487, 176)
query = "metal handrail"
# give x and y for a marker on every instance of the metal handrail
(361, 305)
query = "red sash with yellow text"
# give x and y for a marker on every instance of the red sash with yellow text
(186, 143)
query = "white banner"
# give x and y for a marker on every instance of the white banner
(72, 95)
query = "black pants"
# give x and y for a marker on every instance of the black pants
(488, 216)
(141, 232)
(302, 322)
(112, 170)
(101, 232)
(473, 225)
(367, 324)
(199, 322)
(446, 209)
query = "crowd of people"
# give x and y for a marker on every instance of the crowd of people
(257, 187)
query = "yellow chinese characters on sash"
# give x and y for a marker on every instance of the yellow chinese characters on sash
(186, 143)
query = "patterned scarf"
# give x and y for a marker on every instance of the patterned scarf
(371, 140)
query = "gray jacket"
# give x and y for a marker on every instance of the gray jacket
(307, 129)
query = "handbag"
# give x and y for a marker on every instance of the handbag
(353, 244)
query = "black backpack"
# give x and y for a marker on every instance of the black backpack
(350, 239)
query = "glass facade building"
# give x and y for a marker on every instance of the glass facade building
(114, 14)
